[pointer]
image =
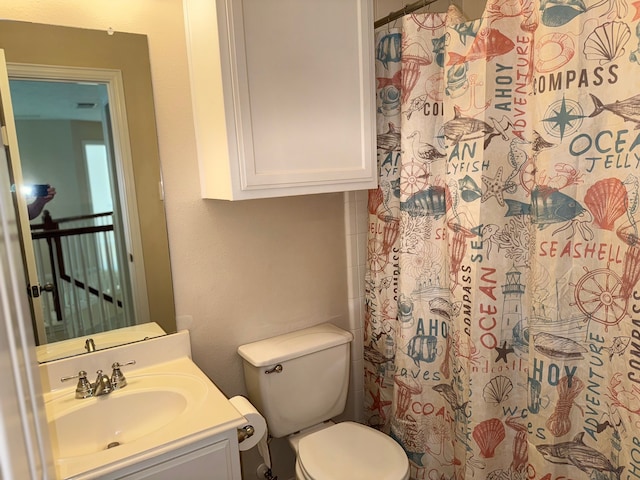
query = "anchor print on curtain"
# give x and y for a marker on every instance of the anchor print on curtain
(502, 328)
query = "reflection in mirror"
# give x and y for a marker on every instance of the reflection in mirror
(77, 227)
(97, 233)
(99, 341)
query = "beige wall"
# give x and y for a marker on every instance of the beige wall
(56, 158)
(242, 271)
(473, 8)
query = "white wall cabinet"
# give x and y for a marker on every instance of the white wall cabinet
(283, 96)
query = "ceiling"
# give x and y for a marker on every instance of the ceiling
(53, 100)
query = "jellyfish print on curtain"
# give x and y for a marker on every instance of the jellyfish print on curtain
(502, 328)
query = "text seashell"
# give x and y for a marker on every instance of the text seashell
(607, 42)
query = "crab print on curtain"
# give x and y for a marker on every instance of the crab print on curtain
(502, 328)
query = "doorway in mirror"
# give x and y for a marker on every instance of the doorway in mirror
(81, 229)
(76, 223)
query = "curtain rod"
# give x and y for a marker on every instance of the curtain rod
(410, 8)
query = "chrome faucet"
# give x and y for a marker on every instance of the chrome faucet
(103, 384)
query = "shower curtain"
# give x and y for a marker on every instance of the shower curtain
(502, 324)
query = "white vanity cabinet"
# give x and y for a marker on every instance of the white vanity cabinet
(168, 422)
(283, 96)
(215, 459)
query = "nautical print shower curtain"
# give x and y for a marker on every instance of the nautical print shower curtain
(502, 335)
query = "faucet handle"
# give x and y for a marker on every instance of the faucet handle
(84, 388)
(118, 379)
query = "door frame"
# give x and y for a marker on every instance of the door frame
(25, 448)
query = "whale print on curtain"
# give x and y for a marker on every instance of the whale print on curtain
(502, 328)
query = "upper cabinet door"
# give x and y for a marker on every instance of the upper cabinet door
(283, 96)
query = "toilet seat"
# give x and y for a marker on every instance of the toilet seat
(351, 451)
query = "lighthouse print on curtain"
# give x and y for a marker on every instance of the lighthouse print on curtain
(502, 336)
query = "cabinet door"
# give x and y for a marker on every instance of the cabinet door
(297, 93)
(213, 462)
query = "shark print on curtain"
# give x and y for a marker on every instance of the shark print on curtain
(502, 328)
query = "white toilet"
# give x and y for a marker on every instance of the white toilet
(298, 382)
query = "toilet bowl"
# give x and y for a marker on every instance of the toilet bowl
(348, 451)
(299, 382)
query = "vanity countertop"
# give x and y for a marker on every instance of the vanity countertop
(174, 401)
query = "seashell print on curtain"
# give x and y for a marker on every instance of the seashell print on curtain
(502, 328)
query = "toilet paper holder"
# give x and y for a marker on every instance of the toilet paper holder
(245, 432)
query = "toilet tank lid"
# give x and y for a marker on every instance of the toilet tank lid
(295, 344)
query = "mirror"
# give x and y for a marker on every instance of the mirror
(109, 70)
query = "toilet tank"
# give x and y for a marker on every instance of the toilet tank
(312, 385)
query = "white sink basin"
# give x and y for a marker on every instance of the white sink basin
(161, 408)
(147, 404)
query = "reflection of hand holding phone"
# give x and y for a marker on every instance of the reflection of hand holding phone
(41, 190)
(43, 194)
